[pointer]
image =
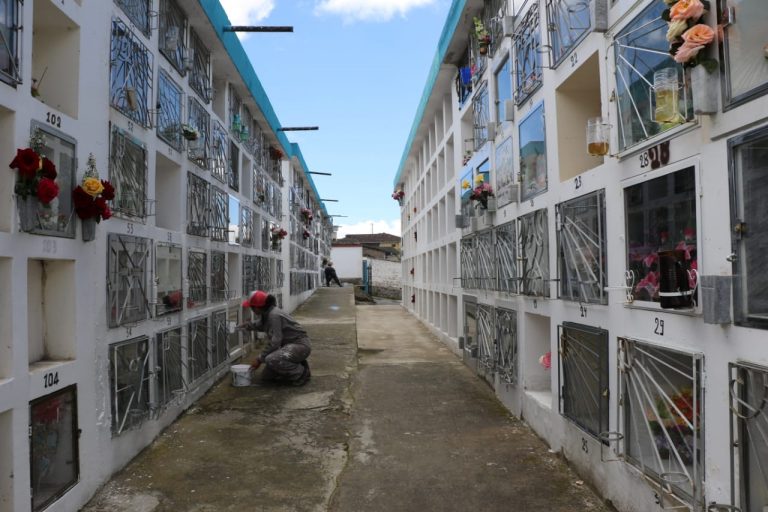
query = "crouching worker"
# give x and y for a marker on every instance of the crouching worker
(288, 346)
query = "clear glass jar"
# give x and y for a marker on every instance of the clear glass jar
(598, 133)
(666, 89)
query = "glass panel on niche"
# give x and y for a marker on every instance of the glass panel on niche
(661, 226)
(53, 446)
(749, 182)
(533, 154)
(57, 217)
(744, 49)
(503, 78)
(168, 272)
(233, 221)
(640, 50)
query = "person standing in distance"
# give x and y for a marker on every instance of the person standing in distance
(330, 275)
(288, 346)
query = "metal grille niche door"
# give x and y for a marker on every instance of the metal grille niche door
(129, 379)
(507, 257)
(584, 376)
(485, 269)
(534, 243)
(127, 261)
(470, 328)
(662, 412)
(486, 343)
(506, 345)
(169, 374)
(749, 435)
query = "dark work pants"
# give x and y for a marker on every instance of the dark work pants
(284, 364)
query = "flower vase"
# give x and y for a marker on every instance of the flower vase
(491, 204)
(28, 208)
(704, 91)
(89, 229)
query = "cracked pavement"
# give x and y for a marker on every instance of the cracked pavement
(391, 421)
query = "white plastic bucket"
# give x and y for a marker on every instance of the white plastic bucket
(241, 375)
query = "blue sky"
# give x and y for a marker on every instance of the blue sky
(356, 69)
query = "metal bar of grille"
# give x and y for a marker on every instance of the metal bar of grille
(199, 150)
(198, 349)
(526, 44)
(196, 274)
(506, 257)
(219, 215)
(130, 384)
(486, 339)
(169, 100)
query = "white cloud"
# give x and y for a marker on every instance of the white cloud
(369, 10)
(364, 228)
(247, 12)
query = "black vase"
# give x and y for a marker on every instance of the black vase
(674, 289)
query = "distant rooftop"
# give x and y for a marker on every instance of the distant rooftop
(377, 238)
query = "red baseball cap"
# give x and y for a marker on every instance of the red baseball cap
(257, 300)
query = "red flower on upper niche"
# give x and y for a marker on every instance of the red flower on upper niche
(27, 162)
(109, 191)
(49, 169)
(47, 190)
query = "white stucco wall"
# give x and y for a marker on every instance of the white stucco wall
(348, 262)
(386, 273)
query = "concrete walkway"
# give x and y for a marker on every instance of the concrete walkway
(391, 421)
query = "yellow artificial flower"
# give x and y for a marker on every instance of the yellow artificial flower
(465, 184)
(479, 179)
(92, 186)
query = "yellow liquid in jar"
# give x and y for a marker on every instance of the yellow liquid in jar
(666, 106)
(597, 148)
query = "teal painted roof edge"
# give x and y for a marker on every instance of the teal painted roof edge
(219, 19)
(451, 21)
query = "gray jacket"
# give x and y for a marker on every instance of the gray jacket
(281, 330)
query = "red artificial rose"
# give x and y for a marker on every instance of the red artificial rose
(109, 191)
(101, 206)
(27, 161)
(84, 203)
(47, 190)
(49, 169)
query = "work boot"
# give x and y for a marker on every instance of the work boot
(305, 375)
